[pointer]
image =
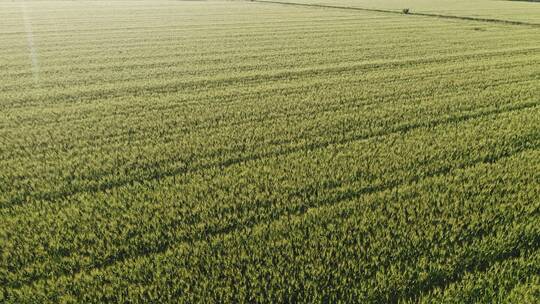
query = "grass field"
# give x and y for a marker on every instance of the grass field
(209, 151)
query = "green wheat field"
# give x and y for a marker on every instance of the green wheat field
(314, 151)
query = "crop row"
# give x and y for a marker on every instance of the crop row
(380, 164)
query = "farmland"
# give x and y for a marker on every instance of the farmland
(507, 10)
(238, 151)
